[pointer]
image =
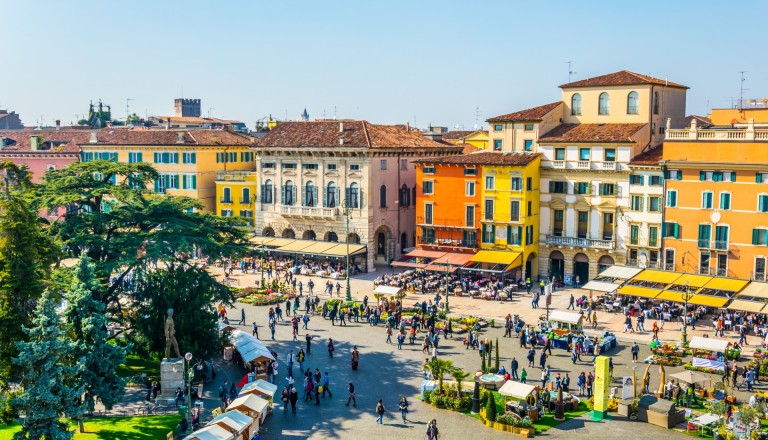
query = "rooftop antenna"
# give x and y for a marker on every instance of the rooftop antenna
(40, 122)
(334, 112)
(570, 71)
(209, 112)
(286, 115)
(741, 90)
(477, 116)
(707, 106)
(414, 121)
(730, 98)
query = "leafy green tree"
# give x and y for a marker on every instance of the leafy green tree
(48, 376)
(26, 257)
(192, 294)
(126, 230)
(14, 177)
(88, 325)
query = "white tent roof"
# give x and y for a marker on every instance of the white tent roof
(387, 290)
(710, 344)
(567, 317)
(211, 432)
(251, 402)
(261, 386)
(234, 420)
(249, 347)
(517, 390)
(600, 286)
(620, 272)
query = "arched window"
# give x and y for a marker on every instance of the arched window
(383, 196)
(309, 198)
(226, 195)
(605, 104)
(246, 199)
(576, 104)
(331, 196)
(633, 103)
(353, 196)
(289, 193)
(267, 192)
(405, 196)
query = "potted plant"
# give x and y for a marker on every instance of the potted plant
(633, 407)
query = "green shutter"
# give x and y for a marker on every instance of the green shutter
(194, 181)
(758, 177)
(509, 235)
(642, 180)
(157, 157)
(679, 174)
(755, 236)
(702, 175)
(733, 176)
(666, 174)
(676, 230)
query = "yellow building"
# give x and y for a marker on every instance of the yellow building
(236, 194)
(188, 160)
(509, 214)
(476, 138)
(520, 131)
(731, 116)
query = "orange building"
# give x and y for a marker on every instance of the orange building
(716, 200)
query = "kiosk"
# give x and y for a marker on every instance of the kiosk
(524, 402)
(716, 346)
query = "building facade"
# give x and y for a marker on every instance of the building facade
(42, 150)
(716, 213)
(587, 141)
(188, 160)
(644, 214)
(236, 194)
(309, 170)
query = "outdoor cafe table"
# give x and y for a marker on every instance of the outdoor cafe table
(704, 422)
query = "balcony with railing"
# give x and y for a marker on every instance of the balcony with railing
(721, 245)
(704, 243)
(225, 201)
(307, 212)
(235, 176)
(581, 242)
(446, 242)
(560, 164)
(583, 165)
(743, 132)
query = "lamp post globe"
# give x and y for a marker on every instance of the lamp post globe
(190, 376)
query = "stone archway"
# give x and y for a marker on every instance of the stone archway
(268, 232)
(383, 244)
(309, 235)
(604, 262)
(331, 236)
(353, 238)
(530, 265)
(289, 233)
(403, 242)
(580, 268)
(556, 264)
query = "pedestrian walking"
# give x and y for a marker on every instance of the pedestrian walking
(285, 397)
(571, 303)
(330, 347)
(294, 398)
(242, 316)
(403, 408)
(531, 357)
(635, 351)
(432, 432)
(513, 369)
(309, 343)
(523, 376)
(351, 390)
(325, 382)
(380, 410)
(255, 330)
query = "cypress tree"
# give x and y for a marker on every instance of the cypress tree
(497, 354)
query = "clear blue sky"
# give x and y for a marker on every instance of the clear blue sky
(386, 61)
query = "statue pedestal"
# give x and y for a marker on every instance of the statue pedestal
(171, 376)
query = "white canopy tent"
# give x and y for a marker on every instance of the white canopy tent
(249, 347)
(211, 432)
(518, 390)
(250, 404)
(260, 387)
(388, 290)
(711, 344)
(619, 272)
(566, 317)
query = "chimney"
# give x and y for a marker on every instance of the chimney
(94, 139)
(341, 127)
(58, 124)
(341, 141)
(3, 142)
(34, 142)
(407, 126)
(180, 137)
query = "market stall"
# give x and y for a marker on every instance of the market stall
(564, 326)
(261, 388)
(250, 405)
(211, 432)
(389, 291)
(523, 402)
(239, 424)
(714, 352)
(252, 352)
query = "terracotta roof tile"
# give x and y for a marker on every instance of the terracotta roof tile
(701, 121)
(485, 158)
(143, 136)
(650, 157)
(49, 141)
(592, 133)
(530, 114)
(355, 134)
(455, 135)
(621, 78)
(468, 148)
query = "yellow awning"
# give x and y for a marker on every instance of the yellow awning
(729, 284)
(708, 301)
(671, 296)
(755, 290)
(261, 240)
(341, 250)
(296, 245)
(318, 247)
(277, 242)
(746, 306)
(693, 280)
(496, 257)
(657, 276)
(639, 291)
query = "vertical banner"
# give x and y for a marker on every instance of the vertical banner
(602, 383)
(627, 388)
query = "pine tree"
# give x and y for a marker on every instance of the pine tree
(497, 354)
(88, 323)
(48, 376)
(482, 366)
(490, 407)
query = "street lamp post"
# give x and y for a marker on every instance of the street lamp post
(447, 269)
(190, 376)
(686, 297)
(261, 248)
(346, 209)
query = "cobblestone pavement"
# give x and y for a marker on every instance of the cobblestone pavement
(387, 373)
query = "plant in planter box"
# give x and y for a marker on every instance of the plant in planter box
(633, 407)
(490, 408)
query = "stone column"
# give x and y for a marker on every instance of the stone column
(171, 376)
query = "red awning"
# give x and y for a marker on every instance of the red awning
(423, 253)
(243, 381)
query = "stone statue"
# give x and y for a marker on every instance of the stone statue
(170, 336)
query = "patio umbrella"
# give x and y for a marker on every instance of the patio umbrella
(688, 376)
